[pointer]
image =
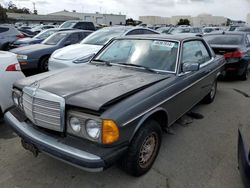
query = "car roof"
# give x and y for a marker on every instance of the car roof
(226, 33)
(179, 37)
(75, 31)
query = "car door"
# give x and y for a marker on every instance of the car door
(192, 86)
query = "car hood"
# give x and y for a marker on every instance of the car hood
(76, 51)
(31, 48)
(93, 87)
(27, 41)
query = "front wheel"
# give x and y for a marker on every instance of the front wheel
(44, 64)
(143, 149)
(209, 98)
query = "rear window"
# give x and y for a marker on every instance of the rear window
(3, 29)
(224, 39)
(68, 24)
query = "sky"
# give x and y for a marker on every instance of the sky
(233, 9)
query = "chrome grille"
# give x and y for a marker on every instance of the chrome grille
(44, 109)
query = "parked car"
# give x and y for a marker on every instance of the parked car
(184, 29)
(36, 56)
(244, 155)
(40, 28)
(8, 34)
(164, 29)
(78, 24)
(10, 72)
(27, 33)
(206, 30)
(75, 55)
(36, 39)
(235, 46)
(243, 29)
(116, 106)
(25, 28)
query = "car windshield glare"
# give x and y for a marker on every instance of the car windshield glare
(67, 25)
(45, 34)
(158, 55)
(224, 39)
(101, 37)
(55, 39)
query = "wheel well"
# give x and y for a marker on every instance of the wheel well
(1, 112)
(44, 56)
(161, 117)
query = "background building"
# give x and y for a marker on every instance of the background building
(151, 20)
(37, 19)
(96, 18)
(200, 20)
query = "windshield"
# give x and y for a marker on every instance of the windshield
(45, 34)
(101, 37)
(153, 54)
(179, 30)
(55, 39)
(224, 39)
(67, 25)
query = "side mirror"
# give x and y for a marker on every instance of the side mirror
(190, 67)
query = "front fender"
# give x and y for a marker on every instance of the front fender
(146, 117)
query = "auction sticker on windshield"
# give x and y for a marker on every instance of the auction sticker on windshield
(162, 45)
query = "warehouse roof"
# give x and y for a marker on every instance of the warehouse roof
(33, 17)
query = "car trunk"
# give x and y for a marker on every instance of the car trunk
(223, 49)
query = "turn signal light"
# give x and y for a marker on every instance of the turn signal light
(110, 132)
(236, 54)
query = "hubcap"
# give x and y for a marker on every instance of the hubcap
(213, 91)
(148, 150)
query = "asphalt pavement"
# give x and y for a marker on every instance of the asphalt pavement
(200, 154)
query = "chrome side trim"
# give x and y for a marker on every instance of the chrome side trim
(30, 132)
(179, 92)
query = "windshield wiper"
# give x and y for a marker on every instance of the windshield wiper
(103, 61)
(140, 66)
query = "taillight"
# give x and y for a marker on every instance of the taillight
(20, 36)
(13, 67)
(236, 54)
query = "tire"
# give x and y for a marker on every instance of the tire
(5, 47)
(43, 65)
(137, 162)
(244, 76)
(209, 98)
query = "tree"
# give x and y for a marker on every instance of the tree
(12, 8)
(183, 22)
(130, 21)
(35, 12)
(3, 15)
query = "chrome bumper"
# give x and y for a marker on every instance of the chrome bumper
(54, 148)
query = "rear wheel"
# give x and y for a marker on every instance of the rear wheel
(143, 149)
(209, 98)
(44, 63)
(6, 47)
(244, 76)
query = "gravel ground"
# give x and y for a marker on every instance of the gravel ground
(202, 154)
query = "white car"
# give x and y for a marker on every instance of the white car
(77, 54)
(10, 72)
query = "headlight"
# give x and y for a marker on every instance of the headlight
(84, 59)
(17, 98)
(22, 57)
(75, 124)
(93, 129)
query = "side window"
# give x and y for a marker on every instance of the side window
(135, 32)
(79, 25)
(195, 52)
(3, 29)
(145, 31)
(73, 38)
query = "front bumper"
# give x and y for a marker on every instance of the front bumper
(236, 67)
(68, 150)
(29, 64)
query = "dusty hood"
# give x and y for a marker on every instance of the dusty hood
(76, 51)
(31, 48)
(92, 87)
